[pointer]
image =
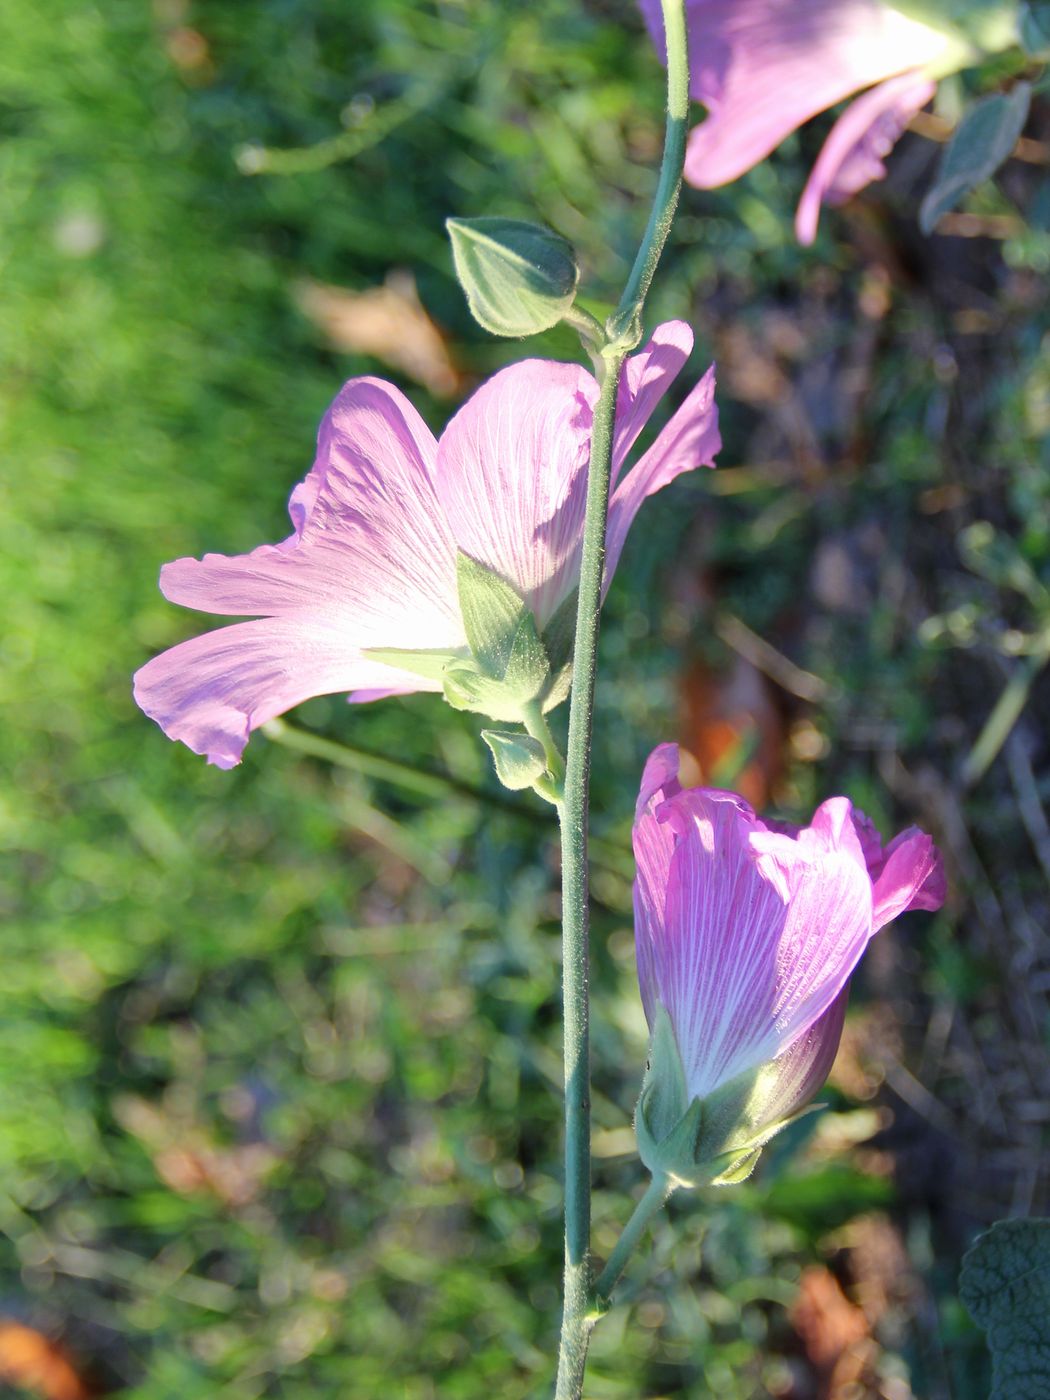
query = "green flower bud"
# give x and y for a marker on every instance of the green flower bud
(520, 760)
(519, 278)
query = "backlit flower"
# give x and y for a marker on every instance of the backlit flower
(371, 563)
(747, 933)
(763, 67)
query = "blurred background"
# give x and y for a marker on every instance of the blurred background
(279, 1047)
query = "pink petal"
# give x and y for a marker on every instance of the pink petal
(746, 936)
(763, 67)
(653, 847)
(834, 828)
(646, 378)
(211, 692)
(371, 551)
(757, 948)
(512, 478)
(912, 877)
(802, 1068)
(689, 440)
(857, 145)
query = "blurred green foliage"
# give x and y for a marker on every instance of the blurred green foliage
(279, 1110)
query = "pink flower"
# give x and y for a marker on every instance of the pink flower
(747, 933)
(371, 563)
(763, 67)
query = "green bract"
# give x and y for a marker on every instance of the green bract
(519, 278)
(715, 1141)
(509, 668)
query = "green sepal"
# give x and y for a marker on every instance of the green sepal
(519, 278)
(467, 689)
(715, 1141)
(519, 759)
(739, 1168)
(430, 664)
(492, 613)
(559, 635)
(528, 669)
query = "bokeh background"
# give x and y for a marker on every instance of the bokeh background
(279, 1047)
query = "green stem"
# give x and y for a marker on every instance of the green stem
(577, 1315)
(535, 722)
(1005, 714)
(627, 317)
(656, 1193)
(587, 327)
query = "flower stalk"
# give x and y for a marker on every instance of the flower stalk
(624, 333)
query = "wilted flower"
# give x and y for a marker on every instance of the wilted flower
(380, 522)
(763, 67)
(747, 933)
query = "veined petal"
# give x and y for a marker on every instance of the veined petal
(212, 691)
(371, 550)
(653, 847)
(783, 928)
(756, 933)
(690, 439)
(646, 377)
(799, 1071)
(512, 477)
(912, 877)
(763, 67)
(858, 144)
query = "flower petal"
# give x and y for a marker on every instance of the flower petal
(212, 691)
(646, 378)
(761, 934)
(512, 477)
(763, 67)
(912, 877)
(857, 145)
(690, 439)
(371, 551)
(653, 847)
(800, 1070)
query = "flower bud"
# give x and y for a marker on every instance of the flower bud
(520, 760)
(519, 278)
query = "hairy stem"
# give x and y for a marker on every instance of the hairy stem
(656, 1193)
(624, 332)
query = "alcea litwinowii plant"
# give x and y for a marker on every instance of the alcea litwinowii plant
(475, 565)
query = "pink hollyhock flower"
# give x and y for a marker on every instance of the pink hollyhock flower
(747, 933)
(371, 563)
(763, 67)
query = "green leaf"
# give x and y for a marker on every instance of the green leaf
(982, 141)
(1005, 1285)
(492, 613)
(519, 759)
(519, 278)
(1034, 28)
(430, 664)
